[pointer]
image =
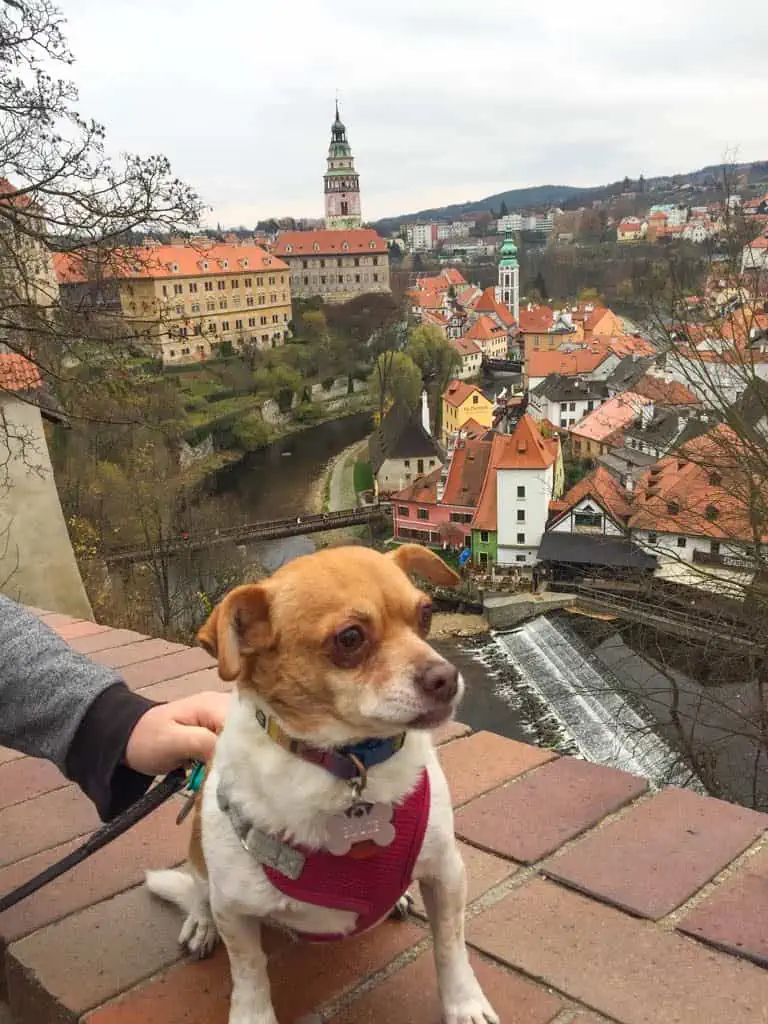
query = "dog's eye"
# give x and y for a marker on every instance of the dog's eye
(425, 617)
(349, 644)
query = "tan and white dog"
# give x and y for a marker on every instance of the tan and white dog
(327, 746)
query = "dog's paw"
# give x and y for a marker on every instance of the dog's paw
(402, 909)
(199, 936)
(476, 1010)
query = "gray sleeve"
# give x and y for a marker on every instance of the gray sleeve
(45, 687)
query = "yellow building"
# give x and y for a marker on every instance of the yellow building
(463, 402)
(185, 302)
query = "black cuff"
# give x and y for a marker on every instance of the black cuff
(95, 757)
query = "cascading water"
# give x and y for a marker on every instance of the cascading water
(583, 697)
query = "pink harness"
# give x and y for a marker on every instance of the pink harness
(369, 880)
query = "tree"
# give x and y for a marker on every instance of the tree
(395, 378)
(503, 212)
(541, 287)
(61, 194)
(437, 359)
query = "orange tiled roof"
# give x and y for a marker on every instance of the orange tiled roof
(600, 485)
(485, 329)
(467, 471)
(473, 428)
(17, 373)
(703, 494)
(165, 261)
(458, 392)
(422, 489)
(524, 448)
(337, 243)
(611, 416)
(488, 303)
(536, 320)
(664, 392)
(581, 360)
(465, 346)
(626, 344)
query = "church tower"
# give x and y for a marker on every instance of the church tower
(508, 290)
(342, 185)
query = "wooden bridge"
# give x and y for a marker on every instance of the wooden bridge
(665, 619)
(272, 529)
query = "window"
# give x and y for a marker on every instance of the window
(306, 279)
(304, 264)
(653, 538)
(208, 286)
(521, 538)
(407, 463)
(339, 262)
(461, 517)
(521, 515)
(375, 261)
(572, 407)
(420, 466)
(221, 285)
(521, 490)
(275, 318)
(172, 353)
(431, 463)
(673, 507)
(222, 303)
(193, 287)
(357, 261)
(179, 309)
(210, 304)
(341, 279)
(197, 329)
(375, 277)
(519, 558)
(483, 536)
(211, 328)
(271, 280)
(248, 282)
(422, 513)
(357, 279)
(265, 337)
(403, 511)
(262, 299)
(475, 399)
(238, 325)
(322, 279)
(235, 284)
(262, 320)
(588, 519)
(225, 325)
(251, 321)
(195, 307)
(178, 289)
(259, 282)
(711, 513)
(165, 289)
(483, 558)
(273, 298)
(681, 542)
(249, 300)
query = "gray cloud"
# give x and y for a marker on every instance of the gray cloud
(443, 103)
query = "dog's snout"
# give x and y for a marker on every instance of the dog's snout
(439, 679)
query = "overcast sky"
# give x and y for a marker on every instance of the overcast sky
(444, 101)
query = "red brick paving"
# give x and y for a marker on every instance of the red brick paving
(735, 916)
(22, 779)
(93, 943)
(660, 853)
(528, 819)
(411, 995)
(484, 761)
(621, 966)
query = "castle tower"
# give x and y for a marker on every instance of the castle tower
(342, 185)
(508, 290)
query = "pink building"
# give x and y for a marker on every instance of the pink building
(437, 510)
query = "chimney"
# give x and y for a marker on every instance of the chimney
(425, 410)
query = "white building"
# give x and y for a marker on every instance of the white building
(421, 237)
(566, 400)
(471, 357)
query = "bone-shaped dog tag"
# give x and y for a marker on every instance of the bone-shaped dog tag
(360, 822)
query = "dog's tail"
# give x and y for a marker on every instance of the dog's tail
(177, 886)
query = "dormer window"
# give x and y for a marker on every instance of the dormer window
(205, 264)
(371, 245)
(345, 245)
(316, 246)
(673, 507)
(289, 248)
(711, 513)
(175, 268)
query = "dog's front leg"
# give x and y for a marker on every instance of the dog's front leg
(445, 896)
(251, 999)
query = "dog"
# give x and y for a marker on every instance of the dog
(325, 798)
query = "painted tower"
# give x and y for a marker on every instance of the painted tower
(508, 290)
(342, 185)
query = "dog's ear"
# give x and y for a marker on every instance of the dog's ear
(413, 558)
(238, 625)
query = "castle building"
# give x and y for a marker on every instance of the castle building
(342, 184)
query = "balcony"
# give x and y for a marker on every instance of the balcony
(726, 561)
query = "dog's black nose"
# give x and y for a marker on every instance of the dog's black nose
(439, 679)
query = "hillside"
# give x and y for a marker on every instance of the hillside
(570, 196)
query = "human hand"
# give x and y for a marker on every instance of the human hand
(170, 735)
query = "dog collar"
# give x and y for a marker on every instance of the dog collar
(343, 762)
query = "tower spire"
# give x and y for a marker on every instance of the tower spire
(342, 185)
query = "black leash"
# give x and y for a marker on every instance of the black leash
(154, 798)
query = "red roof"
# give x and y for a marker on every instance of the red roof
(458, 392)
(423, 489)
(536, 320)
(467, 472)
(488, 303)
(610, 417)
(664, 392)
(524, 448)
(600, 485)
(465, 346)
(17, 373)
(569, 364)
(485, 329)
(473, 428)
(337, 243)
(164, 261)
